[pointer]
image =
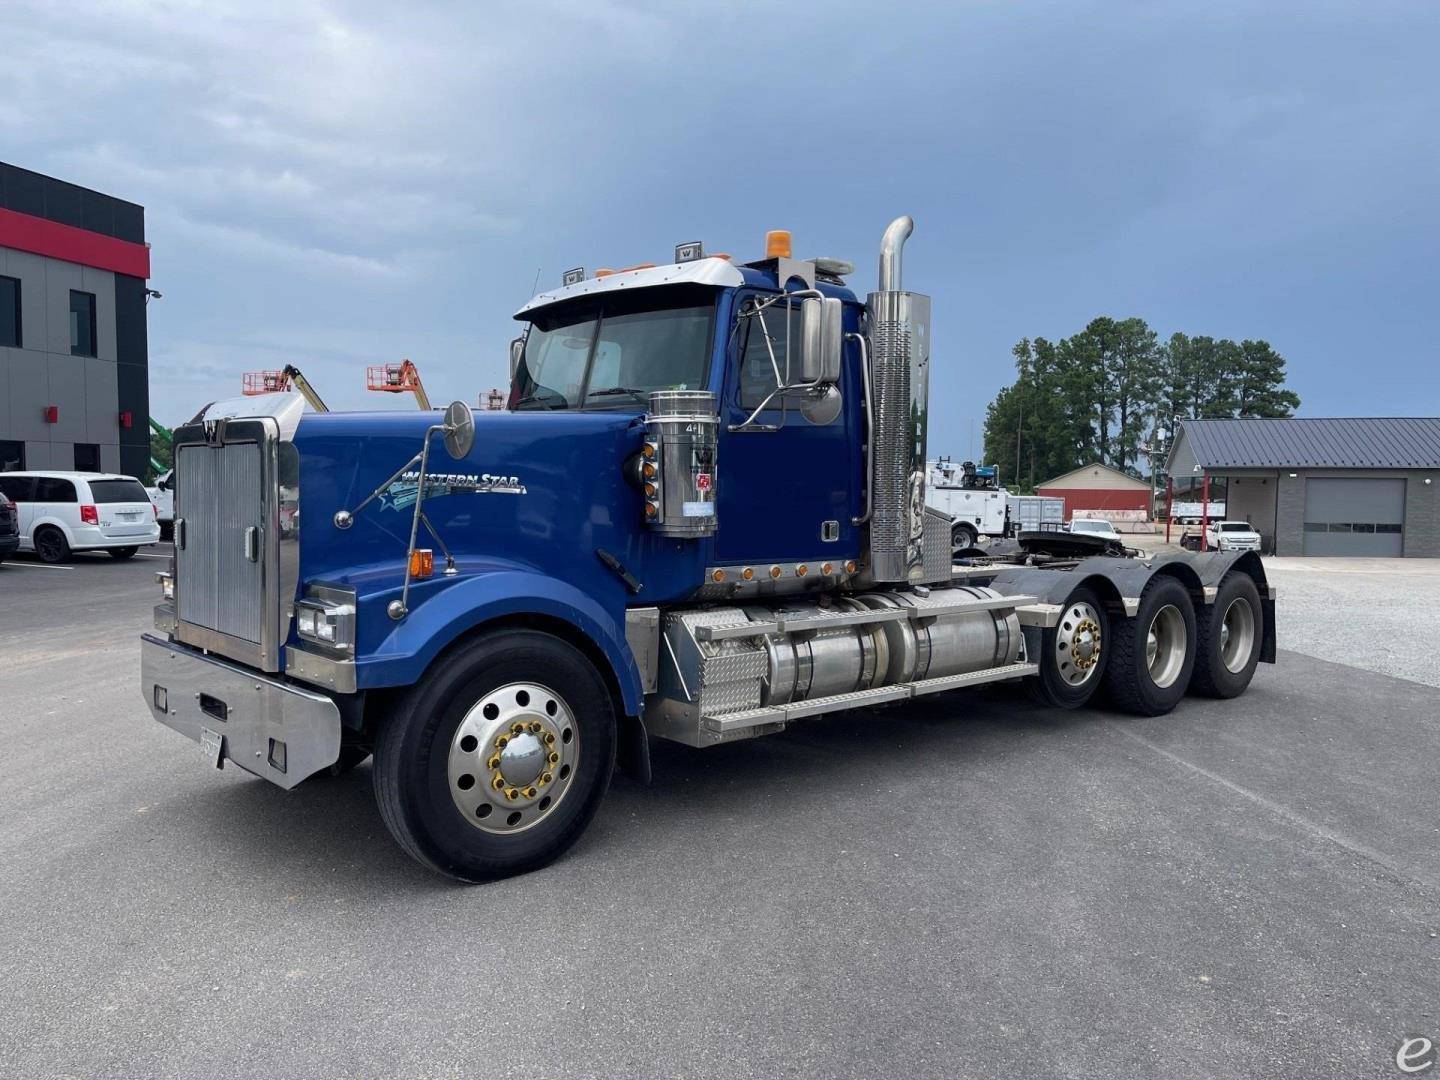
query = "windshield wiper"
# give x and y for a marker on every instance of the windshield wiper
(542, 399)
(641, 396)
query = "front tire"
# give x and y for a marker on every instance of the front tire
(494, 764)
(1072, 654)
(1228, 633)
(51, 545)
(1153, 654)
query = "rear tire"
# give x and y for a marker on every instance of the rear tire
(51, 545)
(497, 760)
(1072, 654)
(962, 536)
(123, 553)
(1228, 635)
(1153, 654)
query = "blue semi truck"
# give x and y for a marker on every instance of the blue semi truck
(701, 517)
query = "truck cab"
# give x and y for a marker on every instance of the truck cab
(701, 517)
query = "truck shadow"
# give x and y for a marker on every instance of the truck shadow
(332, 828)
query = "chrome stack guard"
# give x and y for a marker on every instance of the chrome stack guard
(267, 727)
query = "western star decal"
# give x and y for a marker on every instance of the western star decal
(401, 494)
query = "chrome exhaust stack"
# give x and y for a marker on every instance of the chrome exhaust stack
(899, 345)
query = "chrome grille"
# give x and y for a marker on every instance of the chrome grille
(219, 496)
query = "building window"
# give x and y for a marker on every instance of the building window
(82, 323)
(10, 312)
(87, 457)
(12, 456)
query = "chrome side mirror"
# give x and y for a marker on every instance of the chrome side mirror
(821, 340)
(517, 350)
(459, 428)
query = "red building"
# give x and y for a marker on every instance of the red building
(1099, 489)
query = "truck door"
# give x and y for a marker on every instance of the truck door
(789, 484)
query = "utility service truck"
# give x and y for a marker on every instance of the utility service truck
(702, 517)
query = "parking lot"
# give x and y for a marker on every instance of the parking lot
(965, 887)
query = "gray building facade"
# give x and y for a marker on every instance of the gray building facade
(74, 357)
(1346, 486)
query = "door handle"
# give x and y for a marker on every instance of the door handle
(178, 533)
(252, 543)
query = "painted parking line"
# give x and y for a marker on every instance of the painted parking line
(39, 566)
(143, 555)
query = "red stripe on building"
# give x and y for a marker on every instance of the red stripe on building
(55, 241)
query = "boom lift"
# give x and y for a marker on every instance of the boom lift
(280, 382)
(397, 379)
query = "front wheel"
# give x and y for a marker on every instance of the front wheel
(1153, 654)
(494, 764)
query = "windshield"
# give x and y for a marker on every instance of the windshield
(1085, 525)
(613, 356)
(1234, 526)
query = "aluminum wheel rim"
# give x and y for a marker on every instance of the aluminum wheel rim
(1077, 644)
(1237, 635)
(48, 547)
(1165, 646)
(513, 758)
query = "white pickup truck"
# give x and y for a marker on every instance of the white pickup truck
(1224, 536)
(163, 496)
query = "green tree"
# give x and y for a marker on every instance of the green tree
(1259, 385)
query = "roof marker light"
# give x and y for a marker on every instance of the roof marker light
(777, 244)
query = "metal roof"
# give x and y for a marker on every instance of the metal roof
(1345, 442)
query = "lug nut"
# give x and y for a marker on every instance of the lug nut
(512, 794)
(498, 782)
(545, 778)
(501, 742)
(493, 763)
(536, 727)
(554, 758)
(530, 792)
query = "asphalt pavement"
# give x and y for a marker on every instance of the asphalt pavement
(967, 886)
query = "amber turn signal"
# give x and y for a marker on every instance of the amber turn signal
(422, 563)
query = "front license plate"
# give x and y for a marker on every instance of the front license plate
(212, 746)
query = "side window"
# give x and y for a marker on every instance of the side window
(10, 312)
(781, 324)
(18, 488)
(54, 490)
(82, 323)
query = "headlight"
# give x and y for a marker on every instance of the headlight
(326, 622)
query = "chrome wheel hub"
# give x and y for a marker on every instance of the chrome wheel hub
(1165, 644)
(1237, 635)
(513, 757)
(1077, 644)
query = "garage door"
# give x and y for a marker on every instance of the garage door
(1354, 516)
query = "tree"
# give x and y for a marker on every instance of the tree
(1095, 395)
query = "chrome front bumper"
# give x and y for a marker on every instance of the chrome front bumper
(267, 727)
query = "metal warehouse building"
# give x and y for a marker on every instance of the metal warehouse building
(74, 365)
(1343, 486)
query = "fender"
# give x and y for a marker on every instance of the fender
(462, 605)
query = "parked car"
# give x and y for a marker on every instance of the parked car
(9, 527)
(61, 512)
(162, 494)
(1093, 526)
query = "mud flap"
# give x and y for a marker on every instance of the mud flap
(632, 750)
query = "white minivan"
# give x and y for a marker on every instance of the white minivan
(61, 512)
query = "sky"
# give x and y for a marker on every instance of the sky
(339, 184)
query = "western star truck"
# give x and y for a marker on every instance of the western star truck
(702, 517)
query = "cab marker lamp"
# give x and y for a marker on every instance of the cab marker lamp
(422, 563)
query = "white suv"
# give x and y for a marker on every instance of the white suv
(61, 512)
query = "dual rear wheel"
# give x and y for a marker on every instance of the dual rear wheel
(1145, 664)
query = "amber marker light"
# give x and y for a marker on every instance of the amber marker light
(777, 244)
(801, 570)
(422, 563)
(850, 566)
(748, 573)
(827, 569)
(717, 576)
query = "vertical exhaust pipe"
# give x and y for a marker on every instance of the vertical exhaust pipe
(898, 327)
(891, 246)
